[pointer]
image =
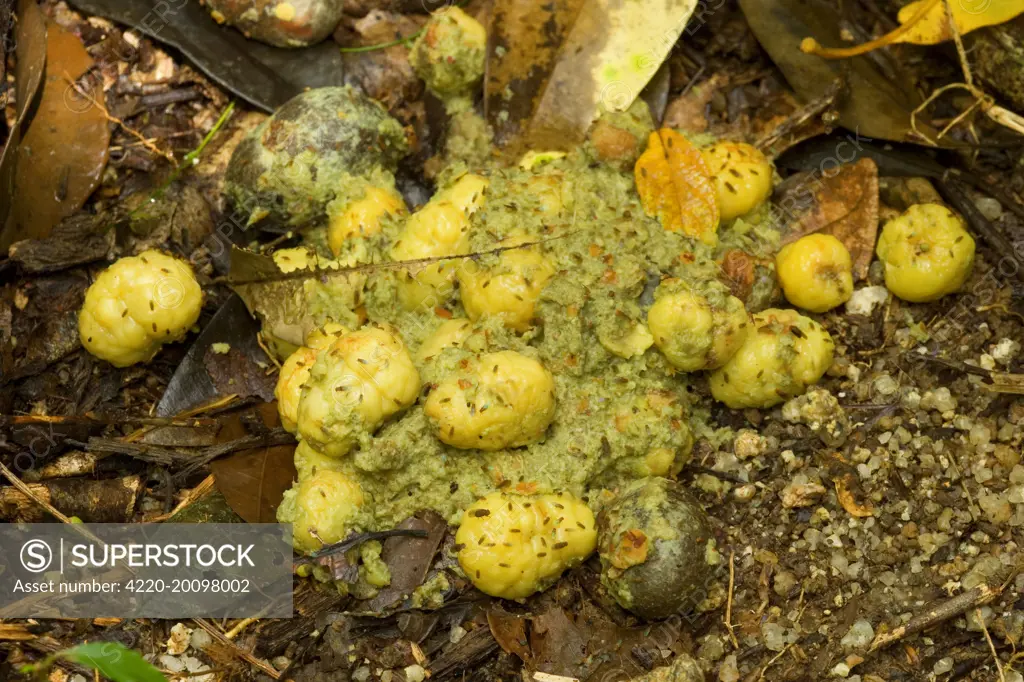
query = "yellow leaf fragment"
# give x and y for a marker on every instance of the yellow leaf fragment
(924, 22)
(849, 503)
(675, 185)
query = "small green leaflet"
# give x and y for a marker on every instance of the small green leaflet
(115, 661)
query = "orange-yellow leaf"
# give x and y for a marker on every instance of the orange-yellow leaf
(968, 15)
(924, 22)
(674, 184)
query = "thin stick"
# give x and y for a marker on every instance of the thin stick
(991, 646)
(242, 625)
(728, 604)
(961, 52)
(951, 608)
(237, 650)
(27, 492)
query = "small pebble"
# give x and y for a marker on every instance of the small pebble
(859, 636)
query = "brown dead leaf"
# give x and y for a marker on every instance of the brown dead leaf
(253, 481)
(558, 644)
(674, 184)
(509, 632)
(29, 63)
(688, 111)
(845, 205)
(523, 41)
(64, 151)
(409, 558)
(236, 373)
(847, 500)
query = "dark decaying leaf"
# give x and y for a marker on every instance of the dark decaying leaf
(64, 150)
(191, 384)
(409, 558)
(843, 204)
(264, 76)
(558, 644)
(509, 632)
(871, 104)
(823, 153)
(253, 481)
(29, 63)
(236, 372)
(523, 41)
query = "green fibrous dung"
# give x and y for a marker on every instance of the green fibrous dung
(617, 419)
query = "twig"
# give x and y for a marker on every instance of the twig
(991, 646)
(416, 263)
(27, 492)
(772, 662)
(728, 604)
(192, 458)
(360, 538)
(23, 419)
(802, 115)
(205, 486)
(237, 650)
(239, 627)
(950, 608)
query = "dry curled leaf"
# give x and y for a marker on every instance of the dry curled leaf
(847, 500)
(674, 184)
(845, 206)
(925, 22)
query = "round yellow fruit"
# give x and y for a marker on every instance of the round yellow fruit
(742, 176)
(437, 230)
(511, 546)
(321, 509)
(497, 400)
(468, 193)
(455, 333)
(815, 272)
(783, 354)
(355, 385)
(308, 461)
(509, 288)
(138, 304)
(927, 253)
(696, 331)
(362, 217)
(295, 371)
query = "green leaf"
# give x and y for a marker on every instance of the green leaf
(115, 661)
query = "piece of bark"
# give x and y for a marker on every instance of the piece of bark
(106, 501)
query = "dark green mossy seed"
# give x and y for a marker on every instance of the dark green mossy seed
(675, 576)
